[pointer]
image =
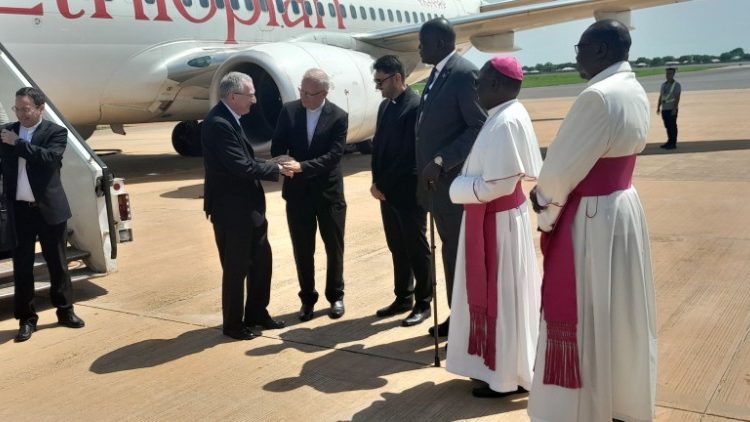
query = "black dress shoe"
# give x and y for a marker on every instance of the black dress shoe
(337, 309)
(243, 333)
(25, 330)
(442, 328)
(268, 323)
(67, 318)
(398, 306)
(306, 313)
(416, 316)
(670, 146)
(664, 145)
(488, 393)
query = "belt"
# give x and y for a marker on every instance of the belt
(27, 204)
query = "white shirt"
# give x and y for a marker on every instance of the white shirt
(23, 187)
(439, 68)
(236, 116)
(312, 121)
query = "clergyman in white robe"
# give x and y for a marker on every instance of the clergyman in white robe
(505, 152)
(616, 332)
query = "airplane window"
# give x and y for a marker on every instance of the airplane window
(204, 3)
(295, 7)
(263, 5)
(220, 4)
(390, 15)
(249, 4)
(280, 6)
(416, 17)
(342, 10)
(308, 8)
(331, 10)
(398, 15)
(321, 9)
(235, 4)
(353, 12)
(408, 17)
(382, 15)
(372, 13)
(429, 16)
(187, 3)
(363, 12)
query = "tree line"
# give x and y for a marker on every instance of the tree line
(735, 55)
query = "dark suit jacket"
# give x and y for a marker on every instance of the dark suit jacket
(43, 163)
(393, 165)
(449, 122)
(321, 159)
(233, 193)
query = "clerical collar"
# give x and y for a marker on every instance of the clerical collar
(400, 97)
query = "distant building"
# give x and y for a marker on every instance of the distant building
(641, 64)
(531, 71)
(672, 63)
(715, 60)
(566, 69)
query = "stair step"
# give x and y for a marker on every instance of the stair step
(6, 265)
(6, 286)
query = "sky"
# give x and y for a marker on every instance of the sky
(693, 27)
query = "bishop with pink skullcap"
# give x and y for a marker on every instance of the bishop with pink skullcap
(508, 66)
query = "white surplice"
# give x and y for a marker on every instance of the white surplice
(505, 151)
(615, 294)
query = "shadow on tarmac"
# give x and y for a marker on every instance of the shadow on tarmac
(154, 352)
(691, 147)
(412, 403)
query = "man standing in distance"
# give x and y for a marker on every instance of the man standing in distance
(309, 140)
(394, 184)
(448, 122)
(497, 291)
(667, 105)
(596, 358)
(32, 153)
(235, 202)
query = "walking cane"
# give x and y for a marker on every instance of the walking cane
(433, 273)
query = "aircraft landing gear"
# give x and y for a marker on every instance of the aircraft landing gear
(186, 138)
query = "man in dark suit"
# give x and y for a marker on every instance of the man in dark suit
(32, 153)
(449, 120)
(235, 202)
(394, 184)
(309, 140)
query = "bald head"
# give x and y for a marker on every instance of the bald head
(436, 40)
(603, 44)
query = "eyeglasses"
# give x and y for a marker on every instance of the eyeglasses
(580, 45)
(24, 110)
(304, 93)
(245, 95)
(379, 82)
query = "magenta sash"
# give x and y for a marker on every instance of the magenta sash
(559, 282)
(481, 271)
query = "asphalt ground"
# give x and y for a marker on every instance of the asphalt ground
(152, 348)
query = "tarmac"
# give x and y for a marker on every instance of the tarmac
(153, 350)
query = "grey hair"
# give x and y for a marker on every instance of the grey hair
(319, 76)
(233, 82)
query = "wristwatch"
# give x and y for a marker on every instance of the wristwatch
(438, 160)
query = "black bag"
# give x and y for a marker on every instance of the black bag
(7, 228)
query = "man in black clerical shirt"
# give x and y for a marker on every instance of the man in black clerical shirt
(394, 184)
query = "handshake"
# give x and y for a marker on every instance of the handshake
(287, 165)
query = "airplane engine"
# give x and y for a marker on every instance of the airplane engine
(277, 70)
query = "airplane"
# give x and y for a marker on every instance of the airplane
(117, 62)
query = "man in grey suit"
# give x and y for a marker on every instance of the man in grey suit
(449, 120)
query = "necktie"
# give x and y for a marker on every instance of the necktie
(430, 80)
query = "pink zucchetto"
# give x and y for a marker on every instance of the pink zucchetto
(508, 66)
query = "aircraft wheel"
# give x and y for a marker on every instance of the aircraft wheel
(186, 138)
